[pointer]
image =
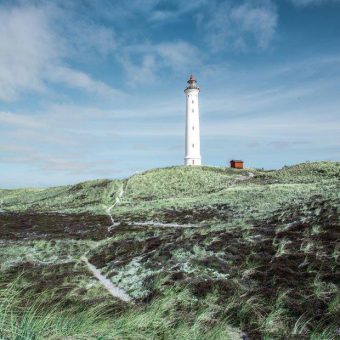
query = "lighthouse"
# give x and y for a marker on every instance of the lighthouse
(192, 128)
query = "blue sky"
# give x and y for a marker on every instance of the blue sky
(94, 89)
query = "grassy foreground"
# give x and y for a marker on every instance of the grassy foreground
(203, 252)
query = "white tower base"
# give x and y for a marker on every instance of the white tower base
(192, 161)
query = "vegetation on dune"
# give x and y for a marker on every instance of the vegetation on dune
(275, 277)
(43, 252)
(189, 189)
(179, 182)
(83, 197)
(179, 187)
(258, 250)
(177, 315)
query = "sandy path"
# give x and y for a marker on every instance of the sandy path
(157, 224)
(108, 285)
(117, 201)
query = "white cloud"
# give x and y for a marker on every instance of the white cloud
(32, 53)
(240, 26)
(275, 128)
(177, 10)
(140, 73)
(145, 11)
(14, 119)
(260, 21)
(87, 38)
(303, 3)
(178, 55)
(67, 163)
(26, 48)
(81, 80)
(143, 62)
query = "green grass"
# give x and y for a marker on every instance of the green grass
(263, 258)
(159, 320)
(83, 197)
(43, 252)
(182, 187)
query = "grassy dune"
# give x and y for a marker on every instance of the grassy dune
(248, 251)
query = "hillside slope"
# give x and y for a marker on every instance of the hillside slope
(200, 250)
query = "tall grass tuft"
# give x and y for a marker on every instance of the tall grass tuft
(168, 317)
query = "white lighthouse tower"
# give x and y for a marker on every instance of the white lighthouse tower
(192, 129)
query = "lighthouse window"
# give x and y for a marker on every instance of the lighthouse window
(193, 145)
(193, 101)
(193, 128)
(193, 110)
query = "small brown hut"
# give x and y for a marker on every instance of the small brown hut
(237, 164)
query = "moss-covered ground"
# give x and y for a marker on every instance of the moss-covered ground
(203, 252)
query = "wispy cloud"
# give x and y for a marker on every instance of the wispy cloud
(143, 62)
(142, 72)
(240, 25)
(166, 12)
(160, 12)
(68, 163)
(33, 54)
(26, 48)
(86, 39)
(304, 3)
(13, 119)
(83, 81)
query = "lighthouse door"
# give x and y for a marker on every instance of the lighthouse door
(193, 162)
